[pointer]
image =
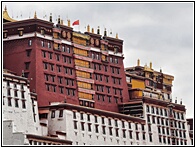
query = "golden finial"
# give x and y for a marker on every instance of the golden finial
(92, 30)
(61, 22)
(88, 28)
(98, 30)
(35, 15)
(138, 62)
(68, 21)
(5, 9)
(116, 35)
(150, 65)
(50, 19)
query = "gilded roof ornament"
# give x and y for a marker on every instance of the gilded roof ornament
(6, 16)
(35, 15)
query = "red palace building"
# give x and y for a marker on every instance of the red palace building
(63, 65)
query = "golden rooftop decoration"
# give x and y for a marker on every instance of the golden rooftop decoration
(35, 15)
(68, 21)
(92, 30)
(61, 22)
(88, 28)
(116, 35)
(6, 16)
(83, 36)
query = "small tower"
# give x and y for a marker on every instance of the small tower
(59, 20)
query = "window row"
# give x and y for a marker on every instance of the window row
(63, 48)
(59, 68)
(61, 80)
(58, 57)
(62, 90)
(15, 93)
(17, 103)
(172, 141)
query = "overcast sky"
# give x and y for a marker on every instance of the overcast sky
(161, 33)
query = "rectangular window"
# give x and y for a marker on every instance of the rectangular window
(124, 134)
(96, 129)
(89, 127)
(88, 117)
(49, 45)
(9, 102)
(23, 104)
(150, 137)
(53, 114)
(103, 130)
(110, 131)
(60, 113)
(137, 136)
(28, 52)
(16, 103)
(82, 126)
(95, 119)
(74, 115)
(57, 57)
(130, 135)
(50, 55)
(75, 124)
(144, 137)
(109, 122)
(116, 123)
(15, 93)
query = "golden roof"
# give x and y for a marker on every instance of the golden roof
(6, 16)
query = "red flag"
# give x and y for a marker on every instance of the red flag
(75, 23)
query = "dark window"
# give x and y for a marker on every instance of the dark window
(52, 67)
(95, 119)
(27, 65)
(144, 137)
(82, 126)
(149, 127)
(168, 140)
(103, 129)
(15, 93)
(150, 137)
(124, 134)
(81, 116)
(160, 140)
(137, 136)
(109, 121)
(74, 115)
(16, 102)
(110, 131)
(23, 104)
(102, 119)
(44, 54)
(60, 113)
(75, 124)
(57, 57)
(22, 95)
(88, 117)
(28, 52)
(45, 66)
(123, 124)
(117, 133)
(116, 123)
(130, 135)
(96, 129)
(89, 127)
(136, 126)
